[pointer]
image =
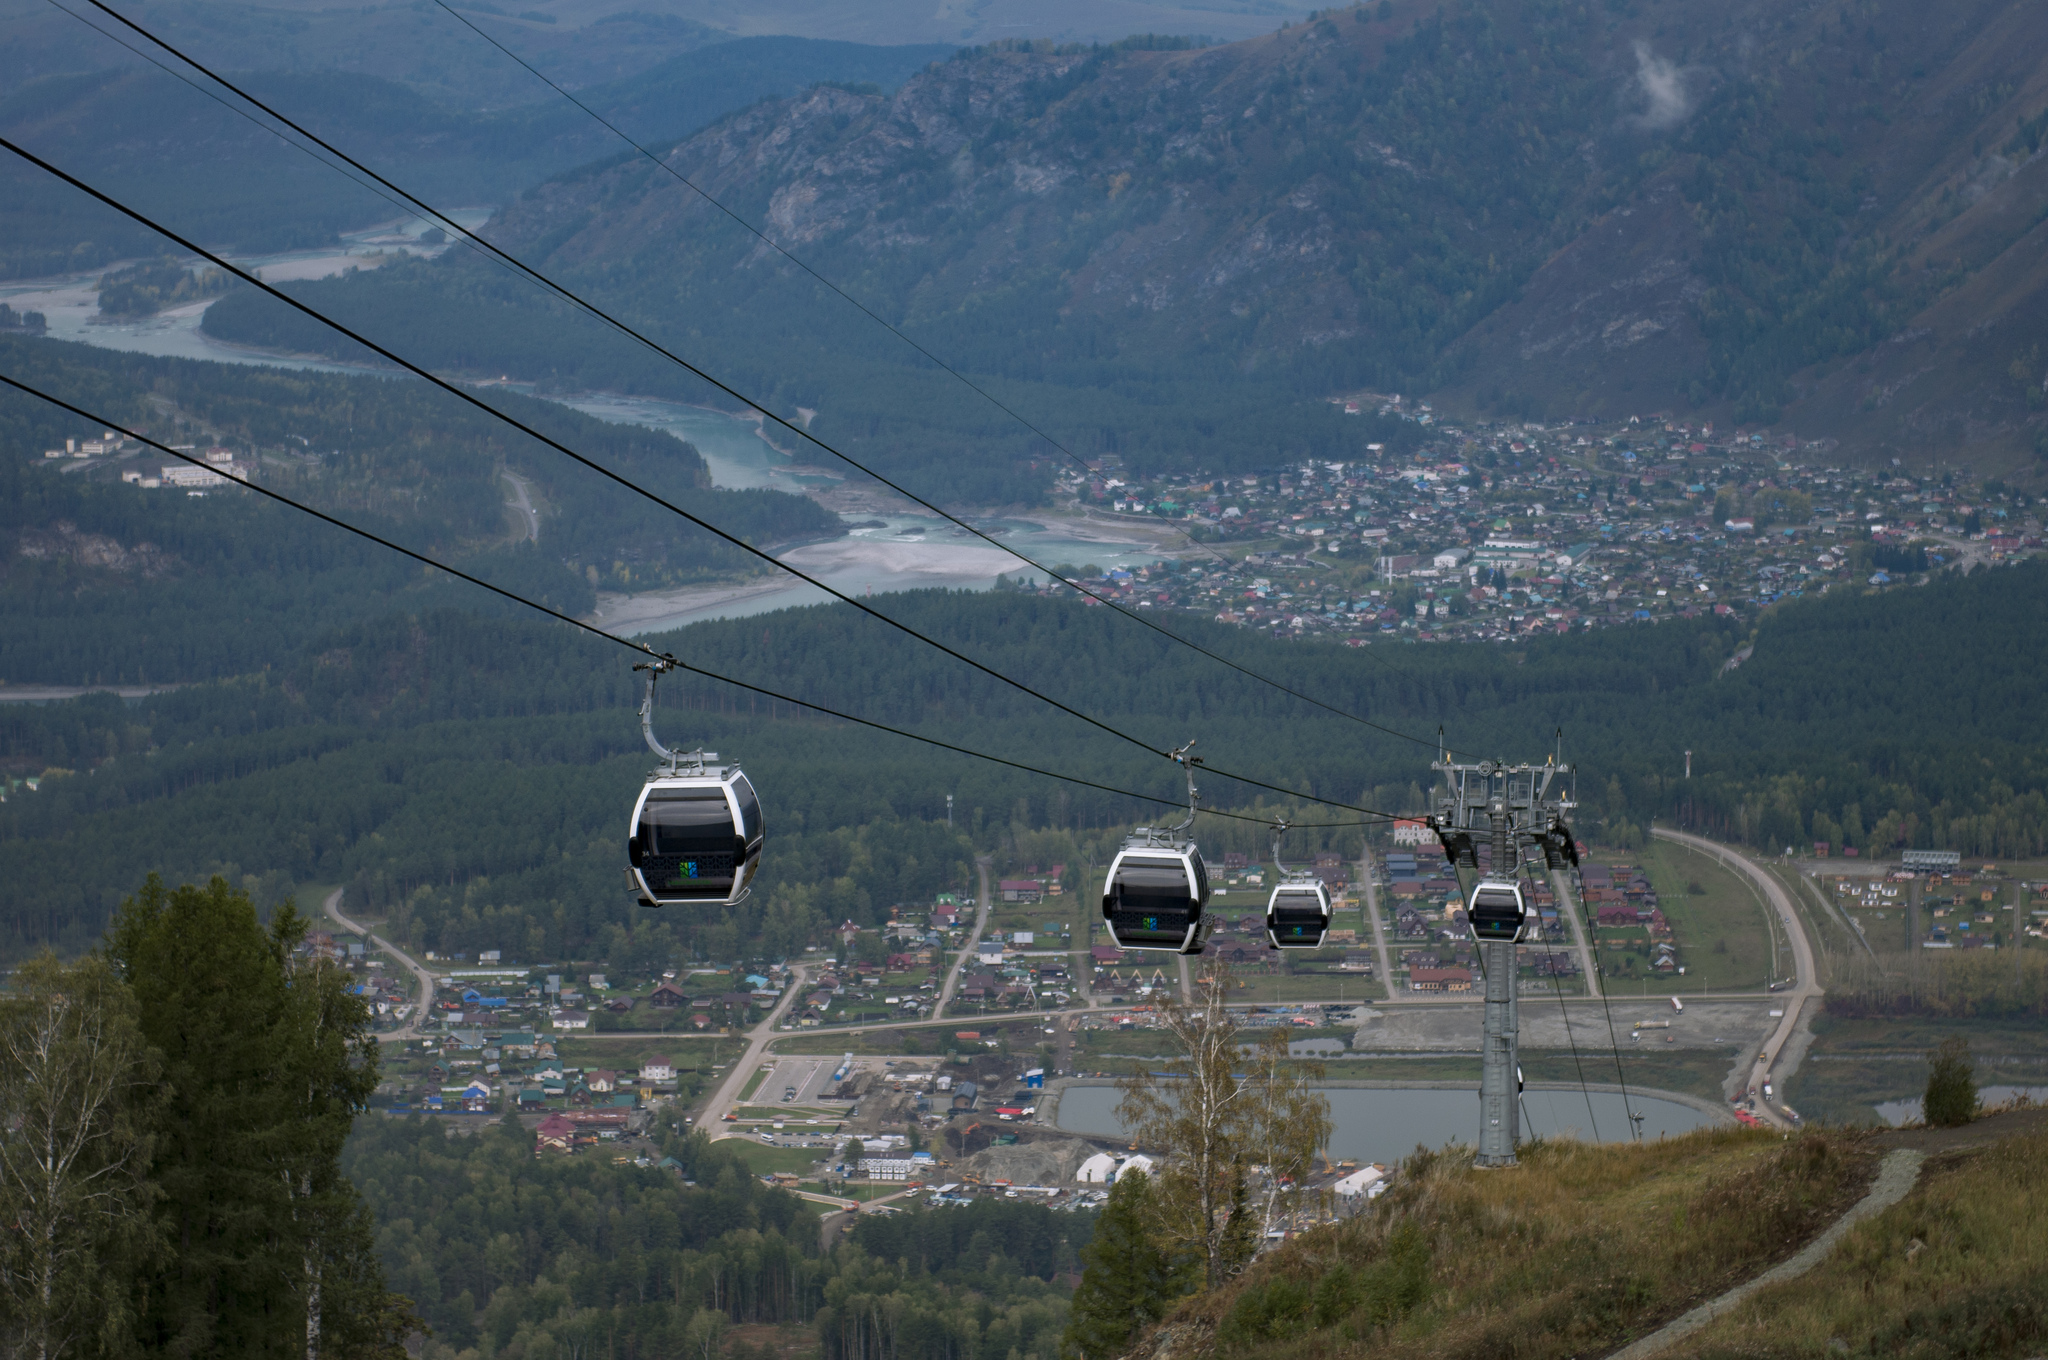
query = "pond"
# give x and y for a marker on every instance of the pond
(1385, 1124)
(1899, 1113)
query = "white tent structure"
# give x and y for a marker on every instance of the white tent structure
(1368, 1181)
(1097, 1170)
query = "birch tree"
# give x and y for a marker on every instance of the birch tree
(326, 1069)
(1217, 1117)
(75, 1077)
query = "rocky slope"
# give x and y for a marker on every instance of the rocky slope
(1824, 217)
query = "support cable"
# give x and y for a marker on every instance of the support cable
(786, 254)
(1614, 1044)
(470, 398)
(800, 432)
(639, 647)
(1578, 1065)
(406, 208)
(631, 486)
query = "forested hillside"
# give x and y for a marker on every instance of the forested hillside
(102, 582)
(502, 1252)
(472, 777)
(1533, 210)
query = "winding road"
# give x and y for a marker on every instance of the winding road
(1806, 985)
(523, 504)
(421, 1009)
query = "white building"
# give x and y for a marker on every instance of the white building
(1412, 832)
(1104, 1167)
(1097, 1170)
(887, 1168)
(657, 1069)
(202, 478)
(1369, 1181)
(1450, 559)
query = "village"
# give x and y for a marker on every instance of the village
(594, 1057)
(1497, 531)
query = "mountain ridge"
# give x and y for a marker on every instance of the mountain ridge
(1429, 203)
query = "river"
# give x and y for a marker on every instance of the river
(1386, 1124)
(882, 552)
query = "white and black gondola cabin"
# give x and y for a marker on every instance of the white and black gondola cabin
(1298, 915)
(696, 837)
(1497, 911)
(1156, 896)
(696, 833)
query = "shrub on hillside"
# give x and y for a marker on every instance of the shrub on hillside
(1951, 1097)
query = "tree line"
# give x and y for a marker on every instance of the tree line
(175, 1108)
(507, 1253)
(473, 775)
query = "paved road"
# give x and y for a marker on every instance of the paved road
(1568, 905)
(981, 910)
(43, 694)
(524, 505)
(411, 1030)
(711, 1117)
(1806, 985)
(1371, 890)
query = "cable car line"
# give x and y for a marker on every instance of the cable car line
(786, 254)
(737, 542)
(512, 262)
(879, 320)
(639, 647)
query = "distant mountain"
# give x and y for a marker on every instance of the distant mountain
(689, 91)
(402, 41)
(210, 174)
(1759, 215)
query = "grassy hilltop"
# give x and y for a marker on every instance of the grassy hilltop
(1583, 1249)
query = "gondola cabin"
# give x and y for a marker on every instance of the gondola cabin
(1497, 911)
(696, 838)
(1156, 895)
(1298, 915)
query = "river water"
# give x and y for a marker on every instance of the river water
(1384, 1125)
(882, 552)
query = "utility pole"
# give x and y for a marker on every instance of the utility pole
(1511, 807)
(949, 811)
(1913, 936)
(2018, 934)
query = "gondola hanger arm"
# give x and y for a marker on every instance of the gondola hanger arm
(672, 759)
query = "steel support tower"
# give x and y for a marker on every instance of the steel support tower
(1513, 808)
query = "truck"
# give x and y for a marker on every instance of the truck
(1677, 1005)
